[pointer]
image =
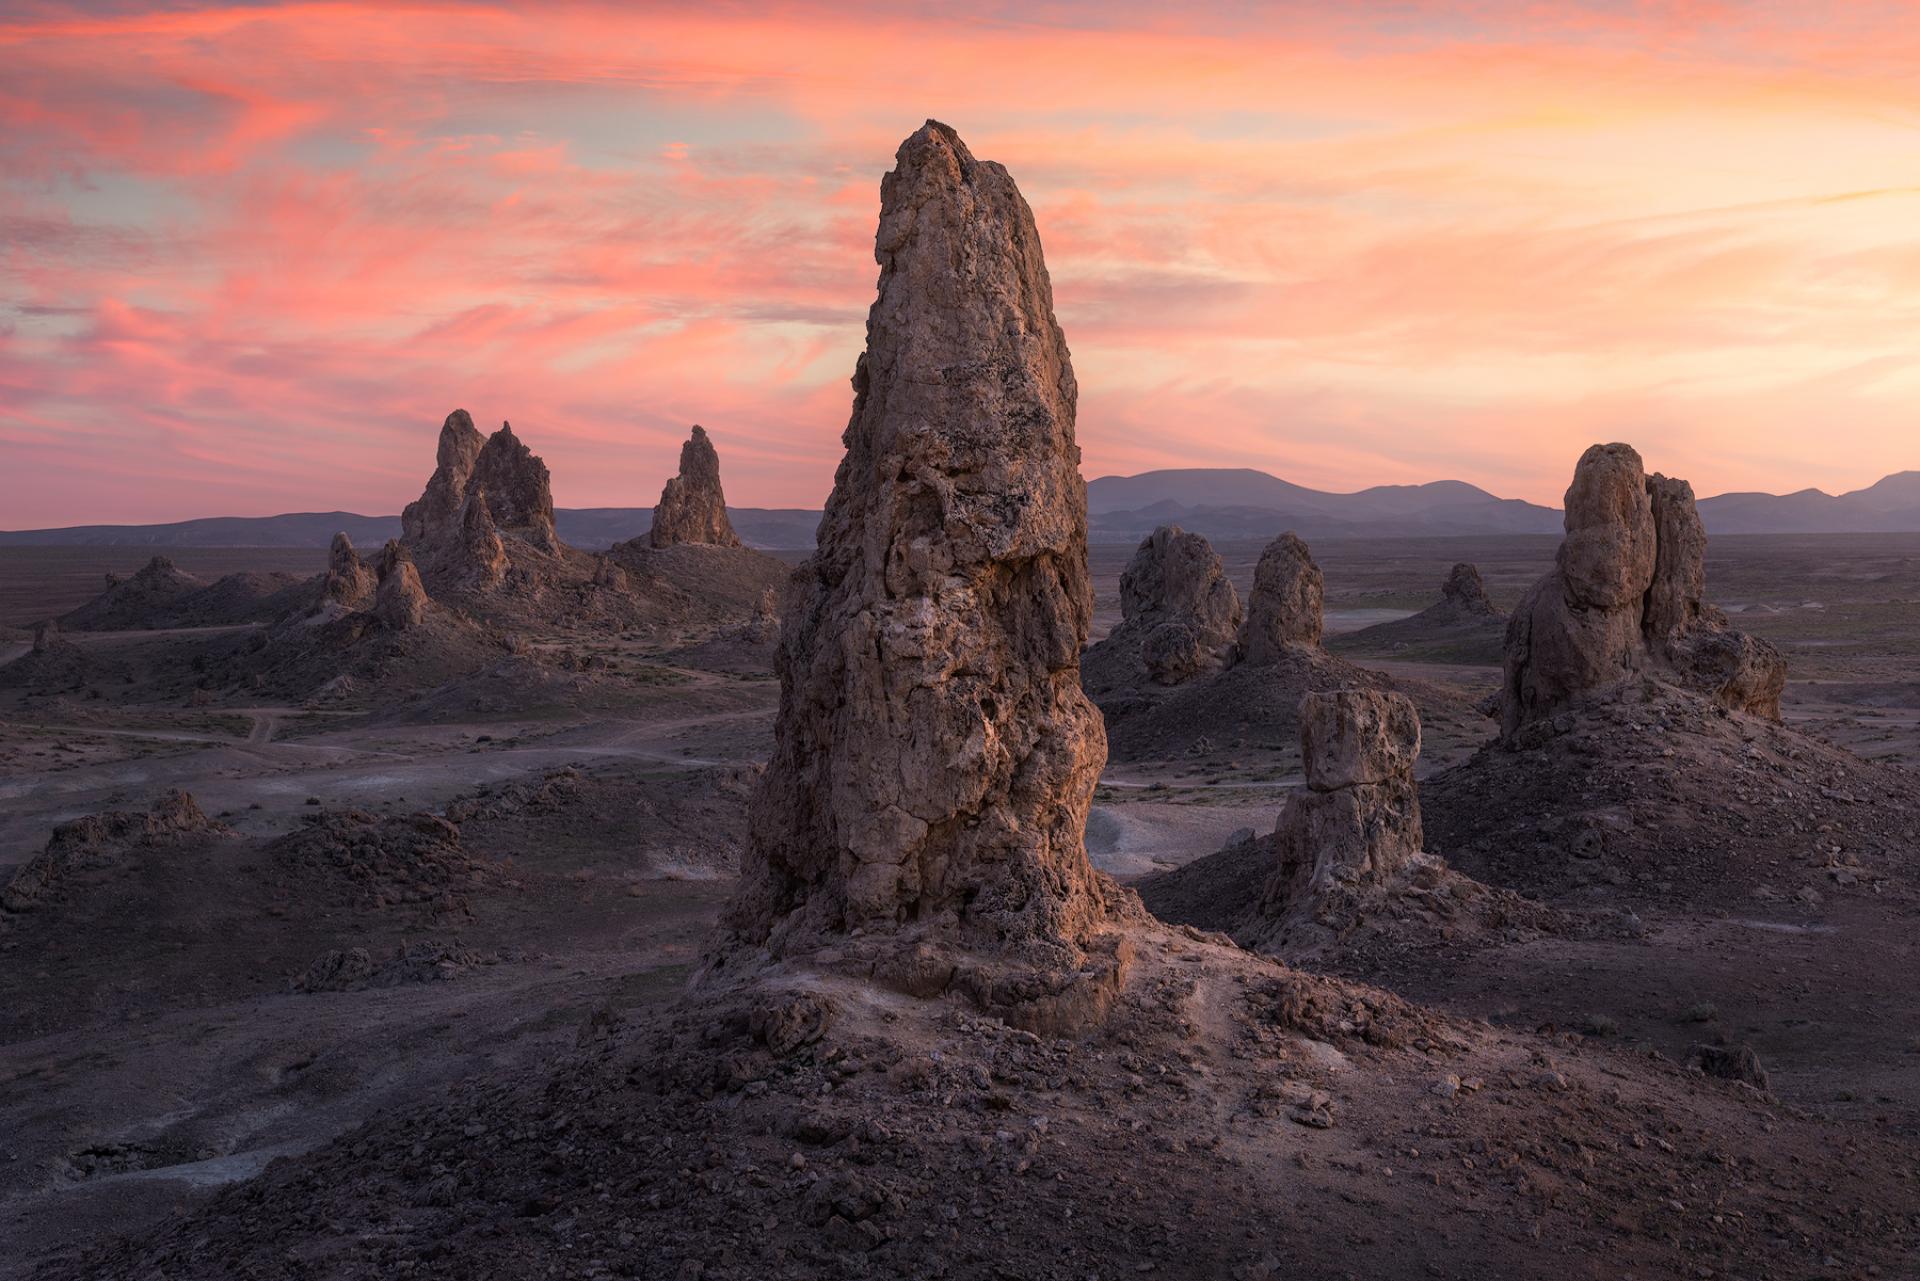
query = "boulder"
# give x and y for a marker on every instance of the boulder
(692, 508)
(922, 817)
(1284, 610)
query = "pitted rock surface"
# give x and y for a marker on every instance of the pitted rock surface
(692, 508)
(934, 756)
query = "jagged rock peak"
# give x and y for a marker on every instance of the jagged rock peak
(934, 755)
(1285, 609)
(1465, 591)
(400, 601)
(498, 471)
(1626, 596)
(517, 487)
(435, 509)
(692, 508)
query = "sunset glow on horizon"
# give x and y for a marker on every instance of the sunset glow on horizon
(251, 255)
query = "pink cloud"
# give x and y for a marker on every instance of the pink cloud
(249, 256)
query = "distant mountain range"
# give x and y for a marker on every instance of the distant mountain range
(1222, 503)
(1240, 502)
(593, 528)
(1889, 505)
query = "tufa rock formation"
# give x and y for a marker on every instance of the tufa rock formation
(1345, 872)
(1356, 824)
(692, 509)
(400, 602)
(46, 635)
(437, 509)
(513, 484)
(1179, 614)
(1462, 626)
(922, 817)
(145, 599)
(1465, 595)
(1626, 597)
(485, 495)
(1283, 611)
(348, 581)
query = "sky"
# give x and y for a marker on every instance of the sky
(251, 255)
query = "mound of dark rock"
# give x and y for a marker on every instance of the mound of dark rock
(355, 969)
(100, 842)
(137, 600)
(413, 861)
(1650, 793)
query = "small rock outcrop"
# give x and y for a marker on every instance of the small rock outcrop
(399, 602)
(46, 635)
(1179, 615)
(348, 580)
(922, 819)
(692, 509)
(146, 598)
(1627, 597)
(103, 840)
(1284, 609)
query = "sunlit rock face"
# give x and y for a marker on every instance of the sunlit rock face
(935, 757)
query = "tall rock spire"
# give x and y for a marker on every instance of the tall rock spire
(934, 756)
(692, 509)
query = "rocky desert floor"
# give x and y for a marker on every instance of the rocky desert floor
(172, 1025)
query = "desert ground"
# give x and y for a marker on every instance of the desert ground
(172, 1028)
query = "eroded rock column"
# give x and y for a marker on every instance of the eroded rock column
(935, 757)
